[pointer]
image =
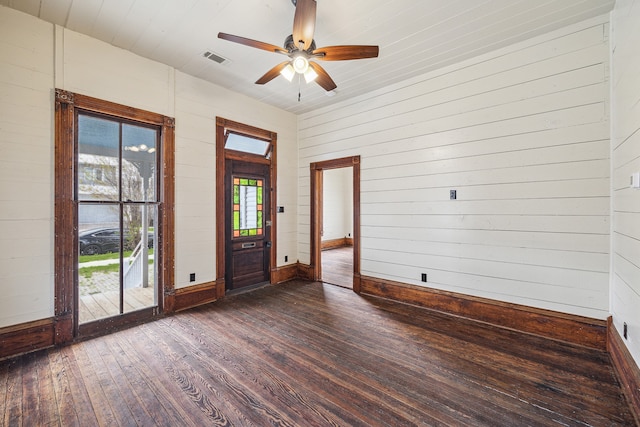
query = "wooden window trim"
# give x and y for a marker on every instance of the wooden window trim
(66, 210)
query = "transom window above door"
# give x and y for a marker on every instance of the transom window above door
(246, 144)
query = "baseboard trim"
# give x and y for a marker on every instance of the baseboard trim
(193, 296)
(26, 337)
(546, 323)
(626, 369)
(336, 243)
(284, 274)
(305, 271)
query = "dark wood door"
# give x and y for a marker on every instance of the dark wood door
(247, 222)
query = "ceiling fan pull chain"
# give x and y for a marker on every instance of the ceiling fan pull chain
(299, 85)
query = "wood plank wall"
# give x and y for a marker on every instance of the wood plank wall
(522, 134)
(26, 168)
(625, 142)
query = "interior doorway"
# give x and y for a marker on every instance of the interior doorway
(336, 246)
(350, 243)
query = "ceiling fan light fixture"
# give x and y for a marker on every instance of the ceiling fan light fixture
(310, 75)
(300, 64)
(288, 72)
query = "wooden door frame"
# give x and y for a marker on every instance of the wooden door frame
(221, 156)
(316, 214)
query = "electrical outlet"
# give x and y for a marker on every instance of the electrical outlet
(286, 258)
(424, 277)
(453, 194)
(192, 277)
(624, 331)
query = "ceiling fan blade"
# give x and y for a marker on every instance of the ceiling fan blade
(252, 43)
(304, 23)
(341, 53)
(272, 73)
(323, 78)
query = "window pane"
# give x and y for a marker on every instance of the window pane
(139, 272)
(98, 280)
(98, 153)
(246, 144)
(138, 163)
(247, 207)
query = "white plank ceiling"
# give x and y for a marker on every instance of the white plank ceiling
(415, 36)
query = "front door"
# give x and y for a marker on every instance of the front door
(247, 224)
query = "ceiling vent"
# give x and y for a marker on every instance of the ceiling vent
(215, 57)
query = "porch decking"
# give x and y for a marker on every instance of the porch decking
(99, 297)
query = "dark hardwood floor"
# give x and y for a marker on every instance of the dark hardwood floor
(337, 266)
(311, 354)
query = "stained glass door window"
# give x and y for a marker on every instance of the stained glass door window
(247, 207)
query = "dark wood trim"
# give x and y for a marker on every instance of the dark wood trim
(305, 271)
(220, 228)
(221, 156)
(357, 283)
(27, 337)
(166, 274)
(336, 243)
(316, 186)
(193, 296)
(65, 217)
(626, 369)
(112, 324)
(546, 323)
(284, 274)
(66, 255)
(316, 217)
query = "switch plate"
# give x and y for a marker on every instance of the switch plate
(453, 194)
(280, 209)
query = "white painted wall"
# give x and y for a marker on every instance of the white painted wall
(197, 105)
(36, 57)
(625, 143)
(337, 185)
(522, 134)
(26, 168)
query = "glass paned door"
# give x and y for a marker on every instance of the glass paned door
(116, 192)
(247, 207)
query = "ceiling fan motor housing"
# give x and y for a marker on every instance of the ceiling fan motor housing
(291, 46)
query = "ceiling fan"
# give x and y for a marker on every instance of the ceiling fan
(301, 49)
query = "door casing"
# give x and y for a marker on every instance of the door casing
(316, 214)
(221, 155)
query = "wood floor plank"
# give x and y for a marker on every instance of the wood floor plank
(170, 395)
(337, 266)
(368, 376)
(78, 394)
(13, 408)
(66, 409)
(312, 354)
(250, 370)
(99, 401)
(113, 386)
(205, 384)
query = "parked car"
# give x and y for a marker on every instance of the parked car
(104, 240)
